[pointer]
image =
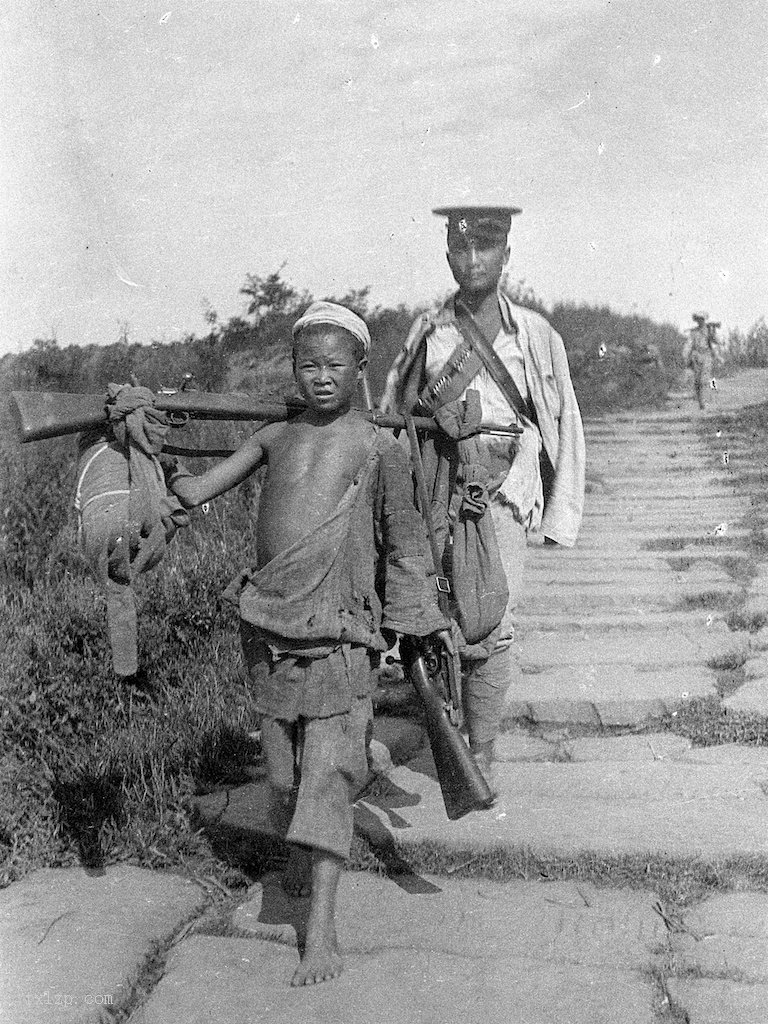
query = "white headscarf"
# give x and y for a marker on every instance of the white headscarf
(337, 316)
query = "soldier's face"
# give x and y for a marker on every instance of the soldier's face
(476, 263)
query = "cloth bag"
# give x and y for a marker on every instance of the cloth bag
(480, 589)
(126, 515)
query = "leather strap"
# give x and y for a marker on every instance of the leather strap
(472, 332)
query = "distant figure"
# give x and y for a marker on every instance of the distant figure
(700, 353)
(714, 342)
(341, 566)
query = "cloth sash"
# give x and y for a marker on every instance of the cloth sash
(297, 599)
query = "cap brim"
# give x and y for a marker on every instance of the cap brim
(477, 211)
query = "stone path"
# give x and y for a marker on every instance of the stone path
(619, 630)
(71, 943)
(630, 622)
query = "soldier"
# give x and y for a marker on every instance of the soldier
(700, 353)
(516, 365)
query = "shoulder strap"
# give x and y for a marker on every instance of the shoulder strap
(471, 331)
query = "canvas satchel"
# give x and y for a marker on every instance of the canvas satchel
(479, 583)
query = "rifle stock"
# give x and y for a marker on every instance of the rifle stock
(44, 414)
(463, 787)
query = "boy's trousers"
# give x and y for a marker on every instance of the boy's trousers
(315, 767)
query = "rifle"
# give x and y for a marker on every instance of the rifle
(433, 674)
(463, 787)
(43, 414)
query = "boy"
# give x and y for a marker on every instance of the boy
(340, 565)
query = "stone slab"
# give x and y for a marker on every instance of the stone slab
(757, 604)
(550, 618)
(588, 598)
(629, 647)
(756, 667)
(630, 558)
(737, 958)
(642, 578)
(519, 745)
(678, 808)
(634, 711)
(246, 982)
(749, 760)
(720, 1002)
(736, 913)
(551, 922)
(550, 711)
(70, 943)
(651, 747)
(752, 697)
(602, 684)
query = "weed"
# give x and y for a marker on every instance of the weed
(749, 622)
(706, 600)
(727, 683)
(706, 722)
(681, 563)
(678, 880)
(727, 662)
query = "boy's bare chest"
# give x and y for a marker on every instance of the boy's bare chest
(316, 466)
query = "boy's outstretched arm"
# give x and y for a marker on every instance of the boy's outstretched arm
(195, 490)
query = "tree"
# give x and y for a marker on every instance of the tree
(270, 296)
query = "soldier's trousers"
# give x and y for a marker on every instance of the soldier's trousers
(485, 683)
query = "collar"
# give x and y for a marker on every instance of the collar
(447, 313)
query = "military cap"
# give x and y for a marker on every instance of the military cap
(699, 317)
(487, 223)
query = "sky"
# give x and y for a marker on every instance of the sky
(152, 154)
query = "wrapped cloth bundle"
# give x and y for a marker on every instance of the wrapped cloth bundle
(479, 584)
(126, 515)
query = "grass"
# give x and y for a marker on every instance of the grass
(707, 723)
(746, 622)
(706, 600)
(79, 750)
(679, 880)
(728, 662)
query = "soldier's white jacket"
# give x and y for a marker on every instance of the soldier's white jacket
(547, 380)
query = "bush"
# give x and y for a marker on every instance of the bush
(77, 746)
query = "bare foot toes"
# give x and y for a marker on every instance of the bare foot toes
(317, 965)
(297, 875)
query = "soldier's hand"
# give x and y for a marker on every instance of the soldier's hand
(446, 638)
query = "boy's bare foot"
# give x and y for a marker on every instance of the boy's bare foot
(321, 961)
(297, 874)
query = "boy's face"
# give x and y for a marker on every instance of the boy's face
(327, 368)
(476, 263)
